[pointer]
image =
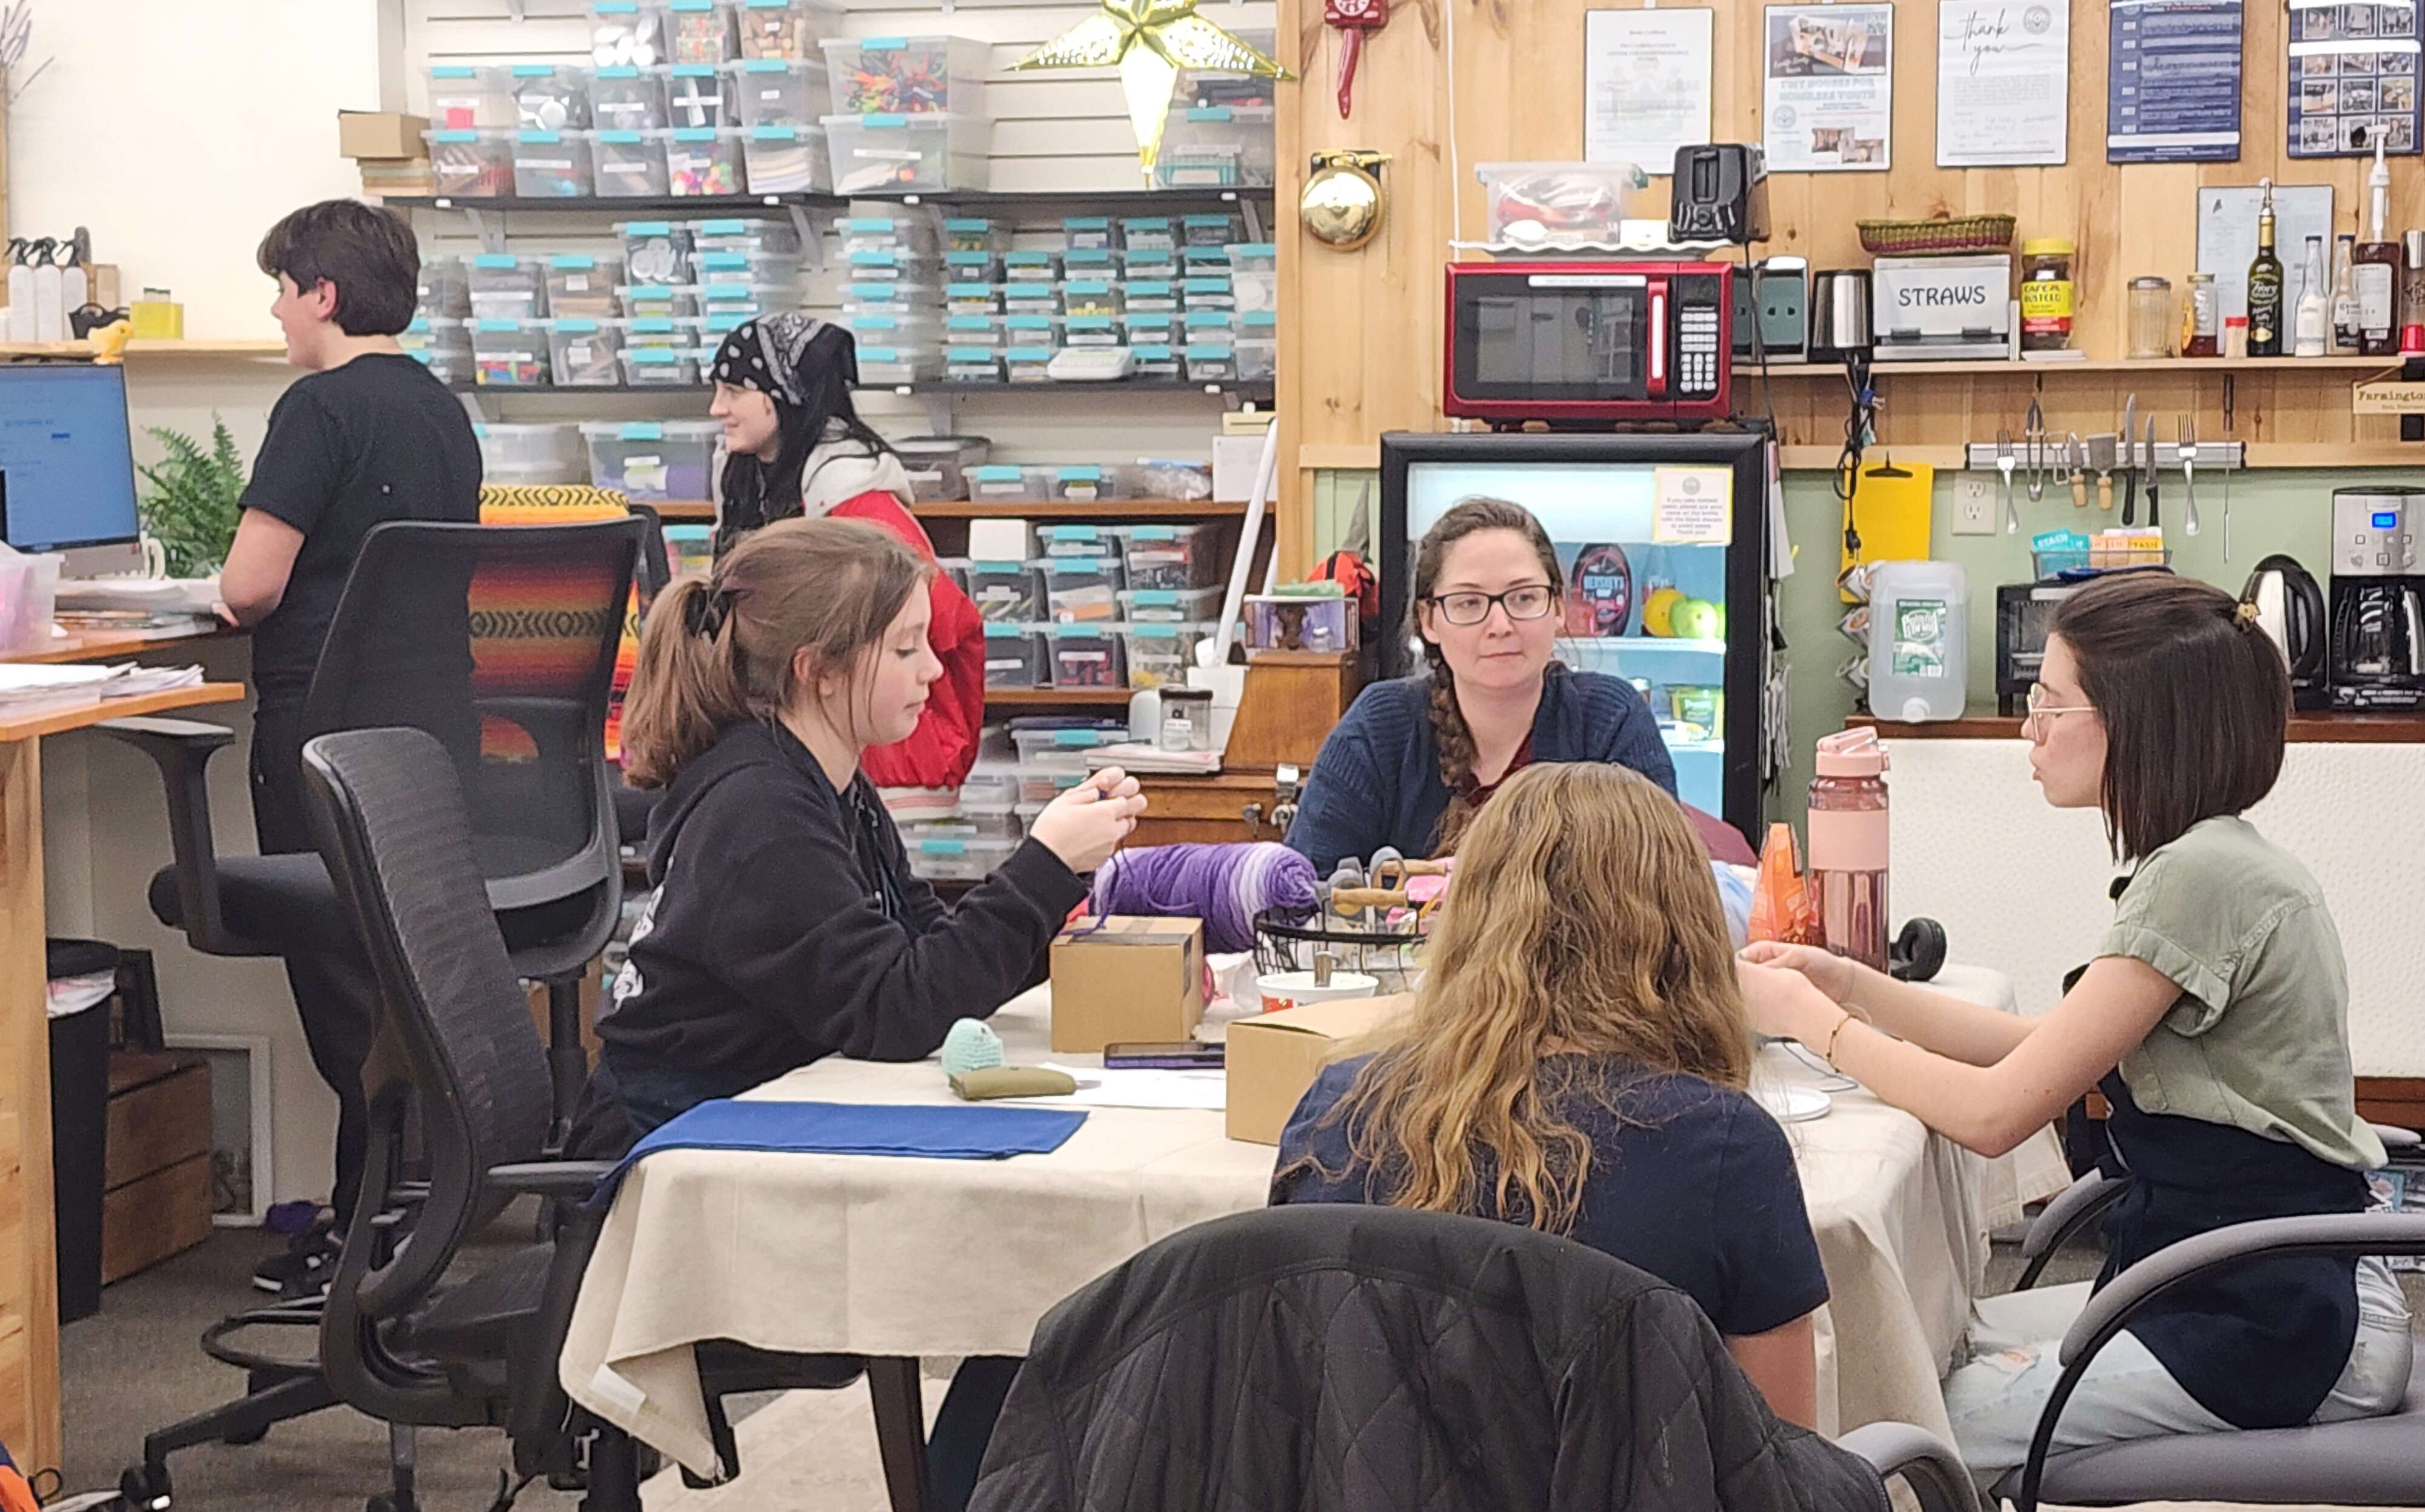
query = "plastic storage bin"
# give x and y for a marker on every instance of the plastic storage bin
(880, 264)
(445, 289)
(1258, 347)
(972, 298)
(1091, 234)
(1166, 478)
(532, 454)
(470, 97)
(724, 266)
(653, 461)
(1006, 592)
(975, 234)
(740, 233)
(990, 787)
(1153, 328)
(1060, 752)
(1014, 655)
(1290, 622)
(985, 823)
(1163, 607)
(937, 465)
(974, 330)
(658, 300)
(885, 328)
(1211, 361)
(548, 98)
(1255, 275)
(509, 354)
(662, 330)
(1038, 331)
(1213, 230)
(1029, 266)
(906, 75)
(951, 859)
(1155, 360)
(1217, 147)
(899, 364)
(505, 287)
(1210, 325)
(779, 92)
(897, 153)
(745, 301)
(467, 163)
(1088, 485)
(441, 344)
(893, 298)
(784, 28)
(553, 164)
(963, 266)
(1149, 296)
(700, 31)
(1174, 556)
(629, 164)
(972, 365)
(1041, 301)
(787, 160)
(579, 283)
(1093, 296)
(1209, 291)
(655, 252)
(1199, 262)
(1160, 651)
(1091, 330)
(1028, 364)
(700, 94)
(583, 352)
(1090, 262)
(702, 160)
(1077, 539)
(1082, 590)
(627, 33)
(1002, 482)
(1149, 234)
(623, 98)
(907, 235)
(1092, 656)
(672, 367)
(1541, 204)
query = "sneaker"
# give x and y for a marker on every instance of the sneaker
(302, 1269)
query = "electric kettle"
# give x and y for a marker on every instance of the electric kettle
(2290, 609)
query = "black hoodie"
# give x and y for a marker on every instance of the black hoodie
(786, 927)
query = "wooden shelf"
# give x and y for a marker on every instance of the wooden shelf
(1111, 200)
(81, 350)
(689, 513)
(1747, 371)
(1067, 698)
(2320, 726)
(1259, 393)
(1066, 509)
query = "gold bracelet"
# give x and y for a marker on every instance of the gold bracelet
(1829, 1054)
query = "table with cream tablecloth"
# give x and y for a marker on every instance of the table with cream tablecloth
(887, 1256)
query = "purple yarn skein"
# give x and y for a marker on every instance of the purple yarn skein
(1226, 886)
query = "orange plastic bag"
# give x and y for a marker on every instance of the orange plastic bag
(1781, 906)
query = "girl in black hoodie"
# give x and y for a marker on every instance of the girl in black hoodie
(784, 924)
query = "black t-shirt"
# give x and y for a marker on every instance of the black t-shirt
(378, 439)
(1689, 1180)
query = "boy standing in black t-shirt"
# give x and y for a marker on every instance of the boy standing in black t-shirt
(367, 436)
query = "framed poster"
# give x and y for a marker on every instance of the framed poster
(1645, 85)
(2352, 77)
(2003, 83)
(1827, 88)
(2172, 81)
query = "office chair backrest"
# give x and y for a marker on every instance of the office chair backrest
(456, 1045)
(500, 644)
(1330, 1357)
(542, 504)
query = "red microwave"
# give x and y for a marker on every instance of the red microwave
(1589, 340)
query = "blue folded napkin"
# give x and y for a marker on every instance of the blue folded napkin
(936, 1131)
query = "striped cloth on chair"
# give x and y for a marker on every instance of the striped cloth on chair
(522, 630)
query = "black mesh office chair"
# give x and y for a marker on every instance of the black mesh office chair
(500, 643)
(408, 1336)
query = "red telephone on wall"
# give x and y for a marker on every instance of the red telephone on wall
(1355, 18)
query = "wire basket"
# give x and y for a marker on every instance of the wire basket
(1287, 940)
(1943, 238)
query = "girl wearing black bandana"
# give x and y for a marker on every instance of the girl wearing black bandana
(795, 445)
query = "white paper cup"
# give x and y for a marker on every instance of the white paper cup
(1295, 989)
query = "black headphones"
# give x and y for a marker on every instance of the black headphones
(1917, 953)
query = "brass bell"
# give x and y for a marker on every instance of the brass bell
(1344, 203)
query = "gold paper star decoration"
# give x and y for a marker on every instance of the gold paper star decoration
(1150, 40)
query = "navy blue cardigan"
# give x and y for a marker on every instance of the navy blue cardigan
(1377, 781)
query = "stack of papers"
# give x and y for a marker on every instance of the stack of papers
(128, 681)
(28, 689)
(1138, 757)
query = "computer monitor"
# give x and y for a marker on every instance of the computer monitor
(67, 465)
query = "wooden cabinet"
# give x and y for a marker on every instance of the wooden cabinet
(1209, 810)
(156, 1196)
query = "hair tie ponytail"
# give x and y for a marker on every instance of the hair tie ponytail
(2246, 614)
(704, 612)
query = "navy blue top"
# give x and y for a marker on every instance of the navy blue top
(1377, 780)
(1689, 1180)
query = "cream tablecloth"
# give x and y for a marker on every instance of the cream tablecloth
(911, 1257)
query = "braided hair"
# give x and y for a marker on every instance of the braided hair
(1451, 735)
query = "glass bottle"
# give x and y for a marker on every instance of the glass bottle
(1848, 845)
(2205, 323)
(2312, 317)
(2346, 322)
(2412, 295)
(2265, 311)
(2377, 260)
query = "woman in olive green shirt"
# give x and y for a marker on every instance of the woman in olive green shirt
(2214, 1019)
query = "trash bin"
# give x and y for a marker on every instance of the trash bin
(79, 1114)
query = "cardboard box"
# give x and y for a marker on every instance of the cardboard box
(379, 134)
(1273, 1057)
(1134, 979)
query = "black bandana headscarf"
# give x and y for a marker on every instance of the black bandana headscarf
(770, 355)
(806, 367)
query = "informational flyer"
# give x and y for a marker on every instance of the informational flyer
(2003, 83)
(1645, 85)
(1692, 504)
(1827, 97)
(2173, 81)
(2352, 77)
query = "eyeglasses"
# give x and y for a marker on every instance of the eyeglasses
(2041, 713)
(1531, 601)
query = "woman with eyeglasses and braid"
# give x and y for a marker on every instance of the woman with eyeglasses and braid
(1414, 758)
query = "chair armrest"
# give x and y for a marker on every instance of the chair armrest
(2397, 1138)
(2073, 1208)
(1927, 1464)
(182, 749)
(571, 1180)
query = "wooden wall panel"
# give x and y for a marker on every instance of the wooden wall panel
(1366, 355)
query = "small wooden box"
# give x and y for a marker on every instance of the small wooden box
(156, 1197)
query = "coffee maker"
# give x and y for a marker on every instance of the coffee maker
(2377, 652)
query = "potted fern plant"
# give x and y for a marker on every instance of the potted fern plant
(191, 499)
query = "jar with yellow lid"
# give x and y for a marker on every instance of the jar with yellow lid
(2049, 298)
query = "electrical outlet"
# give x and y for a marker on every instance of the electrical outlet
(1974, 504)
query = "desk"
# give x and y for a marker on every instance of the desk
(900, 1257)
(30, 1330)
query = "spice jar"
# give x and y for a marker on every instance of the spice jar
(2235, 336)
(2047, 297)
(2151, 317)
(2205, 326)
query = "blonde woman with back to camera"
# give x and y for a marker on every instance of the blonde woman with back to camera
(1575, 1060)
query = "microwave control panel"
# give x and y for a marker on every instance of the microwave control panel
(1699, 333)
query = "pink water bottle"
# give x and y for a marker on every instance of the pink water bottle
(1848, 845)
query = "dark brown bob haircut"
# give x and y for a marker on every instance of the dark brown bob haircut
(367, 253)
(2194, 696)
